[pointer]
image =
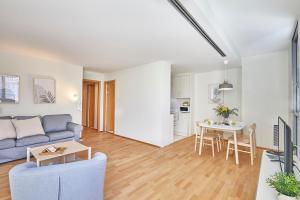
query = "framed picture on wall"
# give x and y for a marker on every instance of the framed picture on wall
(215, 96)
(9, 89)
(44, 90)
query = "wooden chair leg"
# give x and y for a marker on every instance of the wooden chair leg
(201, 145)
(212, 148)
(220, 142)
(251, 154)
(227, 153)
(217, 143)
(251, 148)
(254, 147)
(196, 142)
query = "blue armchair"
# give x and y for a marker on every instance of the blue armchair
(81, 180)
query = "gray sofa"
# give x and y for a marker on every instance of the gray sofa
(58, 128)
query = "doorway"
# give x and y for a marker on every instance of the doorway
(109, 106)
(91, 104)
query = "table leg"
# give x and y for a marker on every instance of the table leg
(236, 148)
(90, 153)
(37, 163)
(28, 154)
(201, 140)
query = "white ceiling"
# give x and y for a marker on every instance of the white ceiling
(107, 35)
(256, 26)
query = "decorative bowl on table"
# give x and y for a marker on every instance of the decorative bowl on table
(209, 122)
(233, 123)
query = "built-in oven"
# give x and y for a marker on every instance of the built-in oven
(184, 109)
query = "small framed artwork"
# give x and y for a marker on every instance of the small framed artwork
(9, 89)
(44, 90)
(215, 96)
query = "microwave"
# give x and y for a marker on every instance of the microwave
(184, 109)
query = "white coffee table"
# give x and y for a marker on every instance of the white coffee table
(72, 147)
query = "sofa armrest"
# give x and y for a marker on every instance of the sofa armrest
(21, 167)
(28, 182)
(100, 156)
(75, 128)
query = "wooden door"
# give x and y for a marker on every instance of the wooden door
(109, 106)
(84, 104)
(91, 105)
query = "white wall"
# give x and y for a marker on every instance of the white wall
(68, 82)
(143, 103)
(202, 108)
(265, 93)
(96, 76)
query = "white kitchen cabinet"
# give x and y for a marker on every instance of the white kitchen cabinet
(182, 126)
(182, 85)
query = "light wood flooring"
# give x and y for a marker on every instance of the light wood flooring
(139, 171)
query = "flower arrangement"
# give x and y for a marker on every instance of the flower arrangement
(285, 184)
(225, 112)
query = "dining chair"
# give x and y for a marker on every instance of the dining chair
(211, 137)
(221, 138)
(245, 140)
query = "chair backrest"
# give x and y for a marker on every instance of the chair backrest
(198, 129)
(251, 130)
(80, 180)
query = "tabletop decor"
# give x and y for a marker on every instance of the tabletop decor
(233, 123)
(209, 121)
(286, 185)
(225, 112)
(52, 150)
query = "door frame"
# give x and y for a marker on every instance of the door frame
(105, 104)
(85, 83)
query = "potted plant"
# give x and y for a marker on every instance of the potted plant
(286, 185)
(225, 112)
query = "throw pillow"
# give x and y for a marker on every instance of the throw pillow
(7, 130)
(28, 127)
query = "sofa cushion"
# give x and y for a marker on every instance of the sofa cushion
(7, 143)
(60, 135)
(53, 123)
(7, 129)
(36, 139)
(28, 127)
(24, 117)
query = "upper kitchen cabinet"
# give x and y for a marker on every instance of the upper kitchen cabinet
(182, 85)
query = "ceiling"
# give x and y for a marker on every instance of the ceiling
(257, 26)
(108, 35)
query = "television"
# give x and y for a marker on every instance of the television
(285, 157)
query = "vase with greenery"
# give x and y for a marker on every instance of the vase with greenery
(225, 112)
(286, 185)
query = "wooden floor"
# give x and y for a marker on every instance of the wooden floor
(139, 171)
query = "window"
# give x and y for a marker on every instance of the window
(296, 91)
